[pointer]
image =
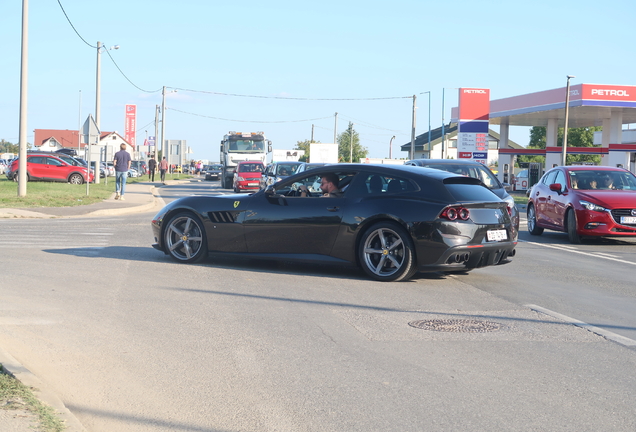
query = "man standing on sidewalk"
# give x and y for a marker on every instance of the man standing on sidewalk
(163, 167)
(122, 162)
(152, 165)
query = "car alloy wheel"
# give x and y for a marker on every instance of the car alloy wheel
(532, 221)
(386, 252)
(76, 179)
(184, 238)
(572, 234)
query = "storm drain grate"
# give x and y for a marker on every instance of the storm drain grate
(457, 326)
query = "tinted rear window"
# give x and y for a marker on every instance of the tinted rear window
(471, 192)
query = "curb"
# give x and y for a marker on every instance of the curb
(22, 374)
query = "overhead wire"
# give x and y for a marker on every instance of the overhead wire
(289, 97)
(247, 121)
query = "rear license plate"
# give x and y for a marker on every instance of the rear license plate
(628, 219)
(496, 235)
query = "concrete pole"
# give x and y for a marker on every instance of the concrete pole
(567, 117)
(98, 79)
(335, 129)
(156, 133)
(163, 121)
(413, 129)
(24, 69)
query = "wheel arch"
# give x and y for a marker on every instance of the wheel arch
(364, 226)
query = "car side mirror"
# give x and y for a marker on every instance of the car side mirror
(556, 187)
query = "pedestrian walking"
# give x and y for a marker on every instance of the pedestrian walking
(122, 162)
(163, 167)
(152, 165)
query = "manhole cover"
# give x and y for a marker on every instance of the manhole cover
(457, 326)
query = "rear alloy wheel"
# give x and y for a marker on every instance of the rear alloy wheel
(532, 221)
(16, 175)
(386, 253)
(184, 238)
(574, 236)
(76, 179)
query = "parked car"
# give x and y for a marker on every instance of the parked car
(213, 172)
(67, 151)
(140, 167)
(247, 176)
(277, 171)
(133, 173)
(50, 167)
(475, 170)
(584, 201)
(425, 220)
(306, 166)
(521, 181)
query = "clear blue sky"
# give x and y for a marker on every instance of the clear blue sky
(315, 50)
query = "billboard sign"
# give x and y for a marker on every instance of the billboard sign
(131, 125)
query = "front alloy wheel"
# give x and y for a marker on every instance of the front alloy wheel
(184, 238)
(76, 179)
(532, 221)
(386, 253)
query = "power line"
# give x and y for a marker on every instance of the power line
(248, 121)
(69, 21)
(128, 79)
(291, 98)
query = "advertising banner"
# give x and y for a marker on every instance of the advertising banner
(131, 125)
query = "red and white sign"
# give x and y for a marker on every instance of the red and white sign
(131, 125)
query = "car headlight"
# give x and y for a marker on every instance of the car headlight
(239, 178)
(591, 206)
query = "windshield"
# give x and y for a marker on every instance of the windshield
(602, 180)
(247, 145)
(286, 169)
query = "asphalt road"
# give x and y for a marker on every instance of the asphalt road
(131, 341)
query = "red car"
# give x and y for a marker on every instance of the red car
(247, 176)
(584, 201)
(50, 168)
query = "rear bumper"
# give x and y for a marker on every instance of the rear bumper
(470, 257)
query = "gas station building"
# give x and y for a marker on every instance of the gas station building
(609, 106)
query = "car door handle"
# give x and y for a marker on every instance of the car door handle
(333, 209)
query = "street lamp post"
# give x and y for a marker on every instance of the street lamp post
(98, 82)
(429, 122)
(391, 146)
(413, 128)
(567, 118)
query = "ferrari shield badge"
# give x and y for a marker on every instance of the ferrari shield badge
(236, 204)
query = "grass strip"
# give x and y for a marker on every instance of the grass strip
(15, 395)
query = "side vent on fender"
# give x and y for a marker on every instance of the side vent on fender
(223, 216)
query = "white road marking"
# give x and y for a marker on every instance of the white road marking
(599, 331)
(570, 249)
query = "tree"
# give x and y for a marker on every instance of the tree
(345, 141)
(304, 145)
(577, 137)
(7, 147)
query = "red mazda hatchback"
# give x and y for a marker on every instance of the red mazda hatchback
(584, 201)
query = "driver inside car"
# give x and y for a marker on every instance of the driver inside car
(328, 185)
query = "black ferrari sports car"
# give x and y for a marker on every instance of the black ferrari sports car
(390, 220)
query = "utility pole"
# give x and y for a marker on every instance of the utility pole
(24, 68)
(312, 133)
(157, 134)
(335, 130)
(350, 142)
(413, 129)
(163, 120)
